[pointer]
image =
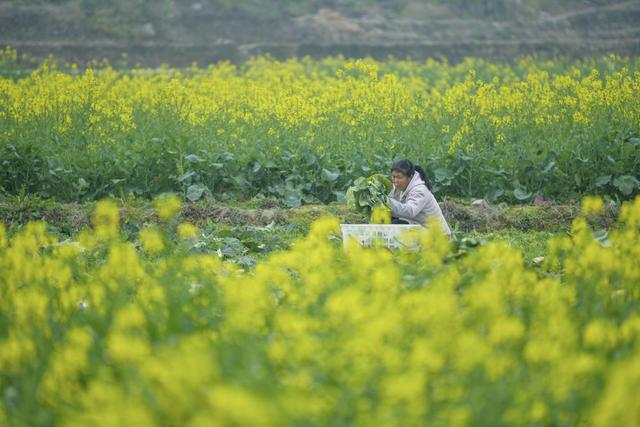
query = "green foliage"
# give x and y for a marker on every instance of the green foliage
(23, 207)
(242, 245)
(502, 132)
(368, 193)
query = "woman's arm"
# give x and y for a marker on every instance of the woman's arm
(416, 201)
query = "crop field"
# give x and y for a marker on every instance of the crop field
(303, 130)
(103, 331)
(170, 251)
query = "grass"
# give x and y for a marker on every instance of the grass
(246, 232)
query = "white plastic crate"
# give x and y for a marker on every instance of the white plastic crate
(388, 235)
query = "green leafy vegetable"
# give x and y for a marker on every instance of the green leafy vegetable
(368, 193)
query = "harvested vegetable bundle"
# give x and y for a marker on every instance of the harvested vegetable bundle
(371, 195)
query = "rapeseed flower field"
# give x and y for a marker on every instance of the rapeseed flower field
(102, 331)
(303, 130)
(110, 328)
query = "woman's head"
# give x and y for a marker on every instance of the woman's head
(401, 173)
(403, 170)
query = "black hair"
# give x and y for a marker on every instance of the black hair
(408, 169)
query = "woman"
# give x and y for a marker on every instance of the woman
(411, 199)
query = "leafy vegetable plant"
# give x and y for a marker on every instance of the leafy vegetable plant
(368, 193)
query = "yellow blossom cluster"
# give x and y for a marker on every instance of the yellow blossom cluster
(95, 128)
(97, 332)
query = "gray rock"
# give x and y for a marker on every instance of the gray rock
(480, 203)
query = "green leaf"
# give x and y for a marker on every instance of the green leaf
(368, 192)
(293, 201)
(521, 194)
(549, 166)
(626, 184)
(186, 176)
(497, 172)
(603, 180)
(601, 235)
(350, 198)
(361, 184)
(193, 158)
(195, 192)
(331, 176)
(383, 182)
(364, 203)
(578, 179)
(443, 174)
(239, 180)
(494, 194)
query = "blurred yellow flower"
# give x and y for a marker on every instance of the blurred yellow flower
(167, 206)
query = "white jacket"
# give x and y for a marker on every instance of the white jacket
(416, 204)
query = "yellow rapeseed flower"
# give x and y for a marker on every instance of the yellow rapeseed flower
(106, 220)
(187, 231)
(167, 206)
(151, 240)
